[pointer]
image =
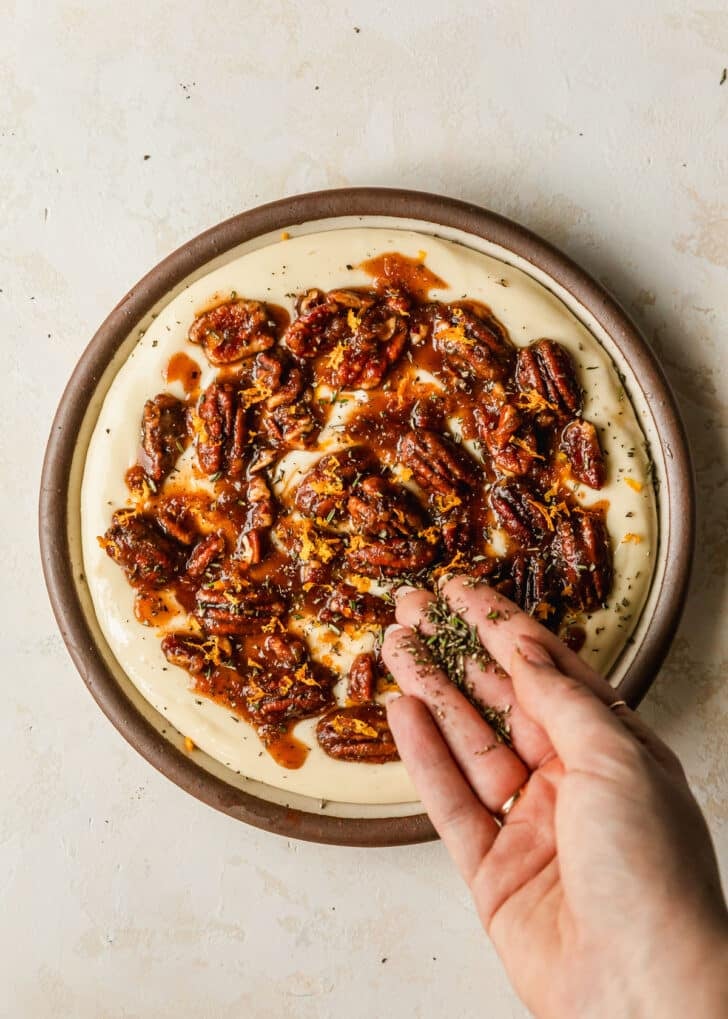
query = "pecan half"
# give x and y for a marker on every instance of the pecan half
(378, 508)
(226, 609)
(390, 558)
(516, 507)
(260, 516)
(347, 604)
(222, 433)
(233, 330)
(357, 733)
(364, 335)
(580, 442)
(147, 556)
(583, 556)
(530, 582)
(164, 435)
(282, 684)
(438, 466)
(511, 442)
(286, 416)
(475, 345)
(324, 491)
(204, 554)
(546, 369)
(193, 653)
(174, 517)
(362, 681)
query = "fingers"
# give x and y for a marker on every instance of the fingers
(583, 731)
(468, 736)
(463, 823)
(488, 683)
(501, 623)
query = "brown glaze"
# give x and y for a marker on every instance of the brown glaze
(184, 369)
(57, 523)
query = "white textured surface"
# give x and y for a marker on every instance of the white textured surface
(601, 127)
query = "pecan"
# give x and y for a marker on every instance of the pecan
(324, 491)
(193, 653)
(584, 558)
(362, 679)
(204, 554)
(546, 369)
(390, 558)
(347, 603)
(475, 345)
(511, 442)
(364, 334)
(147, 556)
(260, 516)
(226, 609)
(517, 508)
(580, 442)
(223, 432)
(437, 464)
(233, 330)
(357, 733)
(286, 416)
(378, 508)
(529, 582)
(164, 435)
(429, 413)
(174, 517)
(282, 684)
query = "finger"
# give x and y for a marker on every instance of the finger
(501, 623)
(582, 729)
(488, 683)
(493, 770)
(461, 820)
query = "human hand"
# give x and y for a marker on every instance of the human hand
(601, 889)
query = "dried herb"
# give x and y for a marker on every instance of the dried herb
(451, 643)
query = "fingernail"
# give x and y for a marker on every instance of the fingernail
(392, 628)
(404, 590)
(534, 653)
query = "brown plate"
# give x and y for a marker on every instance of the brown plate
(137, 721)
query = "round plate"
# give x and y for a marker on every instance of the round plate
(144, 728)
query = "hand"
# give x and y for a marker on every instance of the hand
(601, 889)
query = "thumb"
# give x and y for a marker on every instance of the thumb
(580, 726)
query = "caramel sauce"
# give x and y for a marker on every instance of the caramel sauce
(184, 369)
(153, 608)
(393, 269)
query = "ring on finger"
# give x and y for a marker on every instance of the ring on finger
(510, 803)
(618, 704)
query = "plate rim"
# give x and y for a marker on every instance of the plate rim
(677, 488)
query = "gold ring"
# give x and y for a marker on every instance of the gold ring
(510, 804)
(618, 704)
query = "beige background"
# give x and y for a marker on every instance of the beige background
(606, 132)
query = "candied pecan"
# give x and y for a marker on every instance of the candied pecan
(583, 556)
(365, 334)
(286, 415)
(546, 369)
(282, 684)
(475, 344)
(164, 435)
(357, 733)
(517, 508)
(529, 582)
(437, 464)
(511, 442)
(233, 330)
(580, 442)
(362, 679)
(390, 558)
(229, 610)
(195, 654)
(174, 517)
(223, 431)
(259, 517)
(379, 508)
(147, 556)
(347, 603)
(324, 491)
(204, 554)
(429, 413)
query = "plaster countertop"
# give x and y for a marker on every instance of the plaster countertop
(122, 134)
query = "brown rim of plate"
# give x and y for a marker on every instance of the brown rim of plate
(676, 488)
